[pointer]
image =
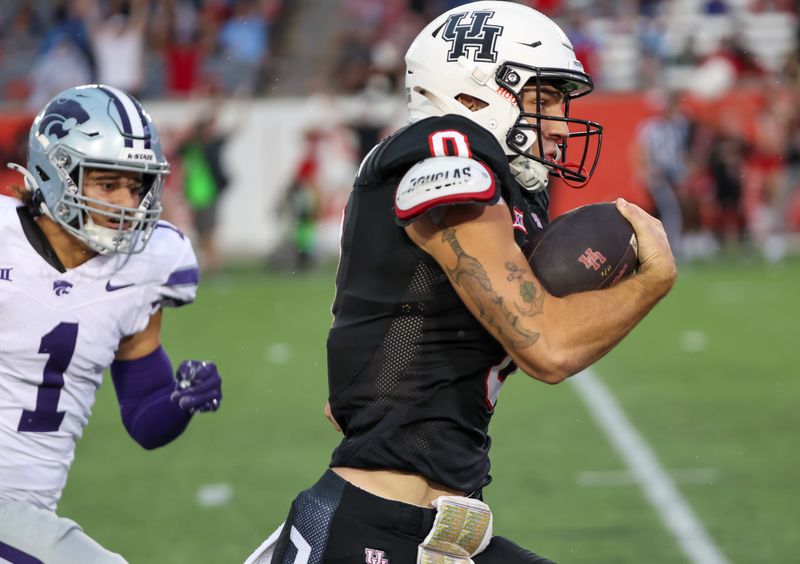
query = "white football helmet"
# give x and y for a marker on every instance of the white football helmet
(95, 126)
(490, 51)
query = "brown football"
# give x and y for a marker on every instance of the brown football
(588, 248)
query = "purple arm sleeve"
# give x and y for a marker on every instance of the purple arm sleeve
(143, 388)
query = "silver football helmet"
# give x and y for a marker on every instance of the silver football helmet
(490, 51)
(96, 127)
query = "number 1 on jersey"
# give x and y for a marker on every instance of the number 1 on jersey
(59, 344)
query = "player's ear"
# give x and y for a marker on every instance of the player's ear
(472, 103)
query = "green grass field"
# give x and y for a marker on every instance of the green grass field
(710, 380)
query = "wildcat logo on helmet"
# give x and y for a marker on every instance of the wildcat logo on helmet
(477, 36)
(62, 115)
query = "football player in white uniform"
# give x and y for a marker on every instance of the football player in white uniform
(85, 270)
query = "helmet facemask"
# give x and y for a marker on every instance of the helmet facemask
(526, 132)
(134, 225)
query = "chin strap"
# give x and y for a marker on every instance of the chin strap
(577, 185)
(94, 233)
(533, 175)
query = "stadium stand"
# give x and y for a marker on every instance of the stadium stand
(340, 63)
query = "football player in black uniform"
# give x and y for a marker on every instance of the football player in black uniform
(436, 303)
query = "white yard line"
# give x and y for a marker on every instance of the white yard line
(658, 487)
(626, 478)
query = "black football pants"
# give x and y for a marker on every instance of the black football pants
(334, 522)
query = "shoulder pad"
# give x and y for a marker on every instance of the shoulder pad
(179, 286)
(8, 216)
(442, 181)
(168, 265)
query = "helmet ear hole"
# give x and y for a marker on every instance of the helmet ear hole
(472, 103)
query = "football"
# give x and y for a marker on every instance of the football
(588, 248)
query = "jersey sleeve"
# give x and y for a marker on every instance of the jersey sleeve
(445, 136)
(177, 285)
(441, 161)
(168, 273)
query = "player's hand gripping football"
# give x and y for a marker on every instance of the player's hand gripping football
(655, 256)
(198, 386)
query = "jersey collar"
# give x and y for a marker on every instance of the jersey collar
(38, 239)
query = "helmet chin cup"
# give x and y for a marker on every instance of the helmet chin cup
(532, 175)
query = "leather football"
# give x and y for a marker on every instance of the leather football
(588, 248)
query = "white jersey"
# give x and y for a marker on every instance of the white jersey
(58, 332)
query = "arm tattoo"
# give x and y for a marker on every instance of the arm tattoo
(472, 277)
(533, 298)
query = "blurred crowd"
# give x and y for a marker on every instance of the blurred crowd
(718, 179)
(726, 178)
(153, 49)
(732, 178)
(623, 44)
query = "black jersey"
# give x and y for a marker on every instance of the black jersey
(413, 376)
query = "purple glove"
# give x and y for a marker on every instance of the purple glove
(198, 388)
